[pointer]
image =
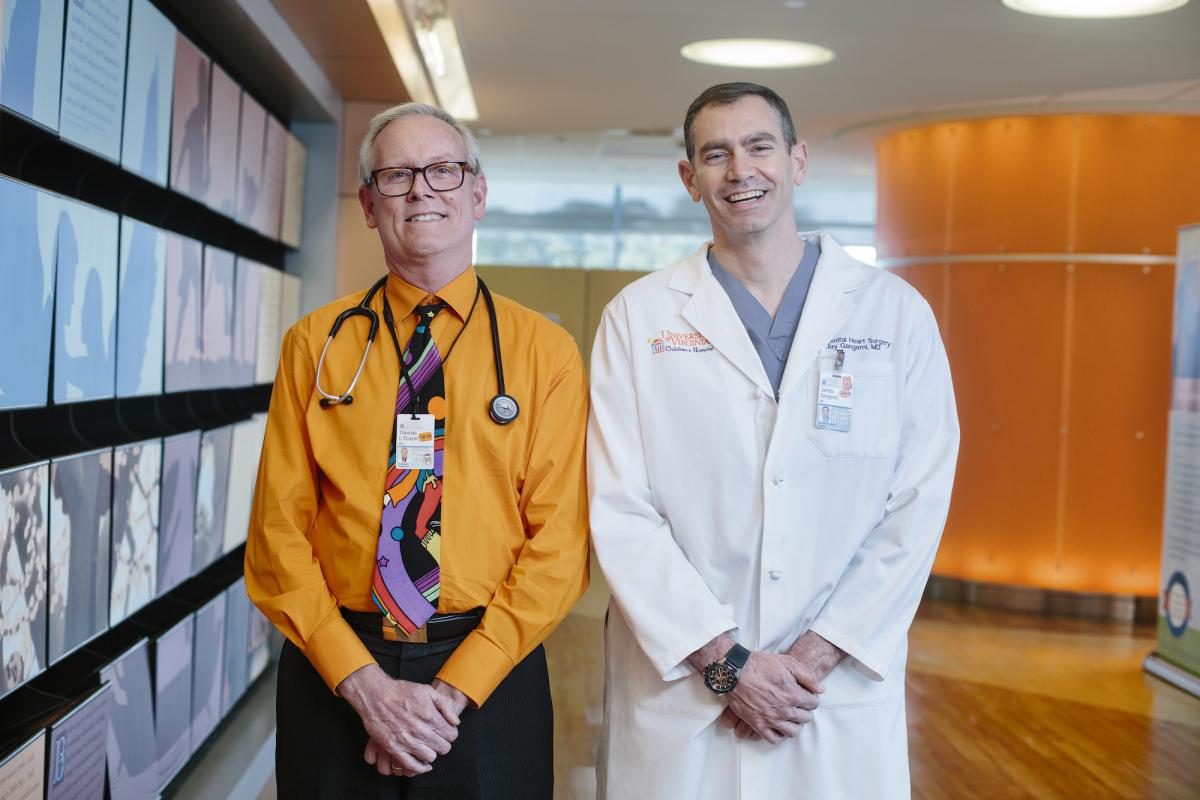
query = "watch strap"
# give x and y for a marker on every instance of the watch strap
(737, 656)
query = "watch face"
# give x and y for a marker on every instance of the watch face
(720, 677)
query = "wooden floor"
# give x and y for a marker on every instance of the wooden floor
(999, 706)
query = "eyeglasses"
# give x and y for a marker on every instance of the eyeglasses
(444, 176)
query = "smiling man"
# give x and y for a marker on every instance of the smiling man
(417, 536)
(767, 493)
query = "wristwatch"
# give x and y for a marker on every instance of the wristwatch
(722, 676)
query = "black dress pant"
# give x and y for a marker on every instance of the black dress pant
(504, 750)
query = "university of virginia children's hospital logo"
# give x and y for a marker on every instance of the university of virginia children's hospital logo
(673, 342)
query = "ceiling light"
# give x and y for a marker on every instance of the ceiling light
(757, 53)
(433, 71)
(1093, 9)
(437, 37)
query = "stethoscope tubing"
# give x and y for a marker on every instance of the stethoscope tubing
(503, 409)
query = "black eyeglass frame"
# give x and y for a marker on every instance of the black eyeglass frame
(465, 166)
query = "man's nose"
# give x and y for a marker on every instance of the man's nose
(420, 187)
(738, 168)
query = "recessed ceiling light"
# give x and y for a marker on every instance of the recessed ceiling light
(1093, 9)
(756, 53)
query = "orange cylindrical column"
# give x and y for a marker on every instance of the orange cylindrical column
(1045, 246)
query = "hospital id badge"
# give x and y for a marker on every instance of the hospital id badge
(414, 441)
(835, 401)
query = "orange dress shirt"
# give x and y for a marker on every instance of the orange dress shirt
(514, 512)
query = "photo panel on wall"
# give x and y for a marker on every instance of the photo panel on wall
(85, 302)
(80, 529)
(149, 81)
(136, 484)
(31, 57)
(24, 543)
(28, 226)
(140, 304)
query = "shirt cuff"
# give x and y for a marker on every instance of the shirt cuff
(476, 668)
(335, 651)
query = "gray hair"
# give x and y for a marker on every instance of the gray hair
(385, 118)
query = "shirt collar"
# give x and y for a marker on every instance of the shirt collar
(459, 294)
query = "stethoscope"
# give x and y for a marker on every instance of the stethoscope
(503, 408)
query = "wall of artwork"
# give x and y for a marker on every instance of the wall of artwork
(148, 203)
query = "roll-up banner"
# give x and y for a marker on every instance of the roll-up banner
(1177, 657)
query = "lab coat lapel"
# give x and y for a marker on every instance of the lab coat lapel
(712, 314)
(830, 302)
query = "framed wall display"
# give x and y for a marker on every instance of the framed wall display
(80, 522)
(189, 120)
(218, 318)
(225, 100)
(93, 75)
(208, 659)
(274, 169)
(149, 81)
(258, 644)
(252, 134)
(78, 746)
(243, 469)
(132, 748)
(136, 482)
(143, 267)
(28, 222)
(31, 46)
(177, 520)
(22, 772)
(270, 312)
(237, 639)
(293, 192)
(248, 294)
(212, 487)
(24, 506)
(289, 303)
(173, 698)
(183, 348)
(85, 302)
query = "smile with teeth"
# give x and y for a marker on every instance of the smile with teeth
(430, 217)
(742, 197)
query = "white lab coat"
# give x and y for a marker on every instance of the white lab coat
(716, 508)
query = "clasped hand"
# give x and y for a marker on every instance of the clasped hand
(774, 697)
(409, 725)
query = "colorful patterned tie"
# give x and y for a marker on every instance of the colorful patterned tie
(407, 579)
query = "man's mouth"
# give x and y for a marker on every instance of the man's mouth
(430, 217)
(745, 197)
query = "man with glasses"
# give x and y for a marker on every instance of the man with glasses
(414, 551)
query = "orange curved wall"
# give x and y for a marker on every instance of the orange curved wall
(1062, 370)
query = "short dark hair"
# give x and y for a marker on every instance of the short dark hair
(725, 93)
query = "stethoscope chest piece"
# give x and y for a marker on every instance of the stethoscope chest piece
(503, 409)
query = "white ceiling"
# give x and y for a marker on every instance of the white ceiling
(551, 77)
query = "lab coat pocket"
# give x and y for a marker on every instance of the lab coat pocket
(846, 687)
(874, 418)
(683, 697)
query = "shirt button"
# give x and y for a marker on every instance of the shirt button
(777, 479)
(775, 574)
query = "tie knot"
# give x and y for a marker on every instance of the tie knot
(430, 307)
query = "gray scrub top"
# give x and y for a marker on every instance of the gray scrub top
(772, 338)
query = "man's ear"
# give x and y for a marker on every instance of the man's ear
(799, 161)
(479, 196)
(368, 205)
(687, 174)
